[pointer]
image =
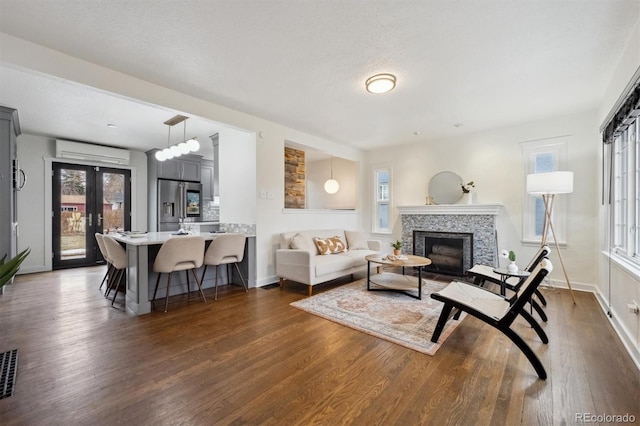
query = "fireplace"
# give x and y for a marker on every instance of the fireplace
(478, 219)
(450, 252)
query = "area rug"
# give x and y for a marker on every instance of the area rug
(391, 316)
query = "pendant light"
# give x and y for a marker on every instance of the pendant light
(184, 147)
(331, 186)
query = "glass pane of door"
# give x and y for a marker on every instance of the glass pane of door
(72, 208)
(113, 202)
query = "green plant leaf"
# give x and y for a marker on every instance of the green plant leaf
(10, 268)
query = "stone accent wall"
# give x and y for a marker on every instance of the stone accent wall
(294, 179)
(482, 226)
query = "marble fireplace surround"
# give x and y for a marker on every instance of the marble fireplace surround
(480, 219)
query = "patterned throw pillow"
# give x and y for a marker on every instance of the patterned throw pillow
(330, 245)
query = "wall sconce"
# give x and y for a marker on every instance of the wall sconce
(331, 186)
(184, 147)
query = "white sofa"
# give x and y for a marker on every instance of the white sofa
(298, 258)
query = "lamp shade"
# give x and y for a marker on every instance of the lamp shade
(550, 183)
(331, 186)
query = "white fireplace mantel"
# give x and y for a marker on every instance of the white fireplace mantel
(442, 209)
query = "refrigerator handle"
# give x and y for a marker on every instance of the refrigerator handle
(181, 203)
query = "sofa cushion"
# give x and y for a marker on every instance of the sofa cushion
(357, 256)
(356, 240)
(331, 245)
(333, 263)
(298, 242)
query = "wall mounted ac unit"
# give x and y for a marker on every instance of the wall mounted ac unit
(89, 152)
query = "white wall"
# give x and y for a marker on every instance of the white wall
(619, 285)
(35, 225)
(344, 171)
(493, 160)
(237, 172)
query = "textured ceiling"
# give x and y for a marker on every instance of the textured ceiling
(484, 64)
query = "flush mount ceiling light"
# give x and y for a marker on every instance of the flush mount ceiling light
(184, 147)
(380, 83)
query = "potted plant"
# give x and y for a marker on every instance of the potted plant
(397, 247)
(10, 268)
(511, 255)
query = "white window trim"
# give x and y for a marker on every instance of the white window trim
(375, 168)
(627, 256)
(558, 145)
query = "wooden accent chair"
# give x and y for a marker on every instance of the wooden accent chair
(225, 249)
(484, 273)
(496, 310)
(179, 254)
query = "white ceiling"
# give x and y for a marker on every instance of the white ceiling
(484, 64)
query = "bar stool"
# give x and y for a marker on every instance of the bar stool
(179, 254)
(225, 249)
(103, 250)
(118, 257)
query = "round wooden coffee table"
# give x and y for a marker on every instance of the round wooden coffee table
(389, 281)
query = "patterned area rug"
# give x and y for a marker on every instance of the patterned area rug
(391, 316)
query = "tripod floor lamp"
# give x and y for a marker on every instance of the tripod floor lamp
(549, 185)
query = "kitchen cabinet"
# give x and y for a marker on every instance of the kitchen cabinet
(207, 172)
(186, 167)
(10, 174)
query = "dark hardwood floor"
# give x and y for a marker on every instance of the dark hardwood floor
(250, 358)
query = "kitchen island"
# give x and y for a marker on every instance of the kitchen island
(142, 249)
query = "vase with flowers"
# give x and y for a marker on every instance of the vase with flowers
(467, 195)
(511, 255)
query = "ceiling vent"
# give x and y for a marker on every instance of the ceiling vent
(89, 152)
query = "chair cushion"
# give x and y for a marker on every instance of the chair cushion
(356, 240)
(490, 304)
(331, 245)
(487, 273)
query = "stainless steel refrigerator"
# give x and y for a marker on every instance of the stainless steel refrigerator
(178, 202)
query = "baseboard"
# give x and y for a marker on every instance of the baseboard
(591, 288)
(33, 270)
(622, 332)
(267, 280)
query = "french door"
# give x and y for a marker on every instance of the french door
(86, 200)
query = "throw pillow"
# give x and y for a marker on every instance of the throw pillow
(297, 242)
(330, 245)
(356, 240)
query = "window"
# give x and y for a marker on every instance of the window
(543, 156)
(381, 198)
(626, 203)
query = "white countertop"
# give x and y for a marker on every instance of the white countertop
(152, 238)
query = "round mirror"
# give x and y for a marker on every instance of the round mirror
(445, 188)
